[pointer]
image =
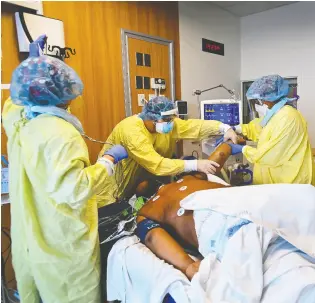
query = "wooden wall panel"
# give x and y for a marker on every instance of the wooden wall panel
(159, 68)
(93, 29)
(10, 59)
(5, 246)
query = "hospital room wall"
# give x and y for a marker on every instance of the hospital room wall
(93, 29)
(201, 70)
(282, 41)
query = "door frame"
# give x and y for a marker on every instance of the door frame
(125, 34)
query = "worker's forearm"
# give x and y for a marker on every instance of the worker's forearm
(165, 166)
(166, 248)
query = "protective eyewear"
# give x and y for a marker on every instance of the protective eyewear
(168, 116)
(168, 119)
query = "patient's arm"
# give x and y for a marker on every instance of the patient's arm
(166, 248)
(219, 155)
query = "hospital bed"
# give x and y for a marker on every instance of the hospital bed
(137, 275)
(110, 216)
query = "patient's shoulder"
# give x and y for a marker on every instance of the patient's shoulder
(163, 206)
(154, 211)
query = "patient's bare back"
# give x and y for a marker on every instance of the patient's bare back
(164, 206)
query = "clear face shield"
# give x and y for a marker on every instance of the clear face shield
(257, 108)
(167, 125)
(169, 115)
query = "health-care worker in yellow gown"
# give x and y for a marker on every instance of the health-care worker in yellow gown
(55, 245)
(150, 139)
(283, 153)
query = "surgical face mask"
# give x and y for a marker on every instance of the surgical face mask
(164, 127)
(262, 110)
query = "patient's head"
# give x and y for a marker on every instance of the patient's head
(146, 189)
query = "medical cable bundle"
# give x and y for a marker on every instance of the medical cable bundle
(115, 221)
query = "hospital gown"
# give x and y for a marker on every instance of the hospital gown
(256, 248)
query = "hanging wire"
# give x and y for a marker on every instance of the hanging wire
(118, 180)
(117, 225)
(96, 141)
(119, 177)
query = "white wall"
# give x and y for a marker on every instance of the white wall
(282, 41)
(201, 70)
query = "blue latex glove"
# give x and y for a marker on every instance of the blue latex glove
(118, 152)
(221, 139)
(236, 148)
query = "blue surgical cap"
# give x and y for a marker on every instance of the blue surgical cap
(43, 80)
(268, 88)
(153, 109)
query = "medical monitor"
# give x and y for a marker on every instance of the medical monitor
(226, 111)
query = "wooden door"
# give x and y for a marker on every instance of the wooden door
(159, 68)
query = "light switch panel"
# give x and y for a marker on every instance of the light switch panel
(141, 98)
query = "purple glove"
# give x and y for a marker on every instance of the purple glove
(41, 40)
(236, 148)
(118, 152)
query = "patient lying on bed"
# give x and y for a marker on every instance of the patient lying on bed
(253, 261)
(162, 216)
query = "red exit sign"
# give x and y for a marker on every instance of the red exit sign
(212, 47)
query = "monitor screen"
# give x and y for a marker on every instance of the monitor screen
(225, 113)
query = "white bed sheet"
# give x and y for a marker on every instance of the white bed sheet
(244, 274)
